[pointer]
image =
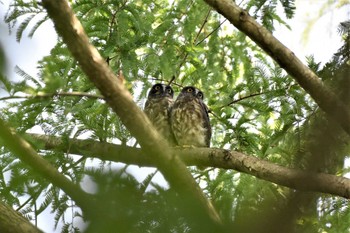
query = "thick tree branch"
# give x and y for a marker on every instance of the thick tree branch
(118, 97)
(292, 178)
(308, 80)
(12, 222)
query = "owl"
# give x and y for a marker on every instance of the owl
(157, 108)
(190, 120)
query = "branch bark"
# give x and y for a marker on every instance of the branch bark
(120, 100)
(328, 101)
(50, 95)
(12, 222)
(219, 158)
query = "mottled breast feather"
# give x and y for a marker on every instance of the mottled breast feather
(190, 121)
(157, 110)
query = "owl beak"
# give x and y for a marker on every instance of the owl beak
(166, 94)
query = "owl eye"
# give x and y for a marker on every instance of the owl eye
(169, 90)
(200, 95)
(157, 88)
(190, 90)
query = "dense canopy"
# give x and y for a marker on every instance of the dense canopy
(70, 135)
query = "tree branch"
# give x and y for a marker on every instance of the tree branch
(312, 84)
(25, 152)
(210, 157)
(12, 221)
(49, 95)
(214, 30)
(242, 98)
(201, 28)
(118, 97)
(253, 95)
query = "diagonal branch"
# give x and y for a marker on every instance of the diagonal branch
(119, 99)
(201, 28)
(25, 152)
(12, 221)
(214, 30)
(312, 84)
(219, 158)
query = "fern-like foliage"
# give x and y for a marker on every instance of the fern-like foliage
(266, 11)
(24, 13)
(256, 108)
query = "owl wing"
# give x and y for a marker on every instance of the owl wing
(148, 108)
(206, 122)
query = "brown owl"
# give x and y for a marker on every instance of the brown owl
(190, 120)
(157, 108)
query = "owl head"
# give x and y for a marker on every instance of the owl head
(160, 91)
(192, 91)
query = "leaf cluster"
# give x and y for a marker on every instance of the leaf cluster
(255, 107)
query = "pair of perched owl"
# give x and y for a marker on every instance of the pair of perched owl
(183, 122)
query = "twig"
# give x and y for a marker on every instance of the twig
(194, 41)
(29, 199)
(215, 29)
(212, 113)
(166, 81)
(203, 24)
(179, 67)
(256, 94)
(49, 95)
(245, 97)
(240, 3)
(112, 22)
